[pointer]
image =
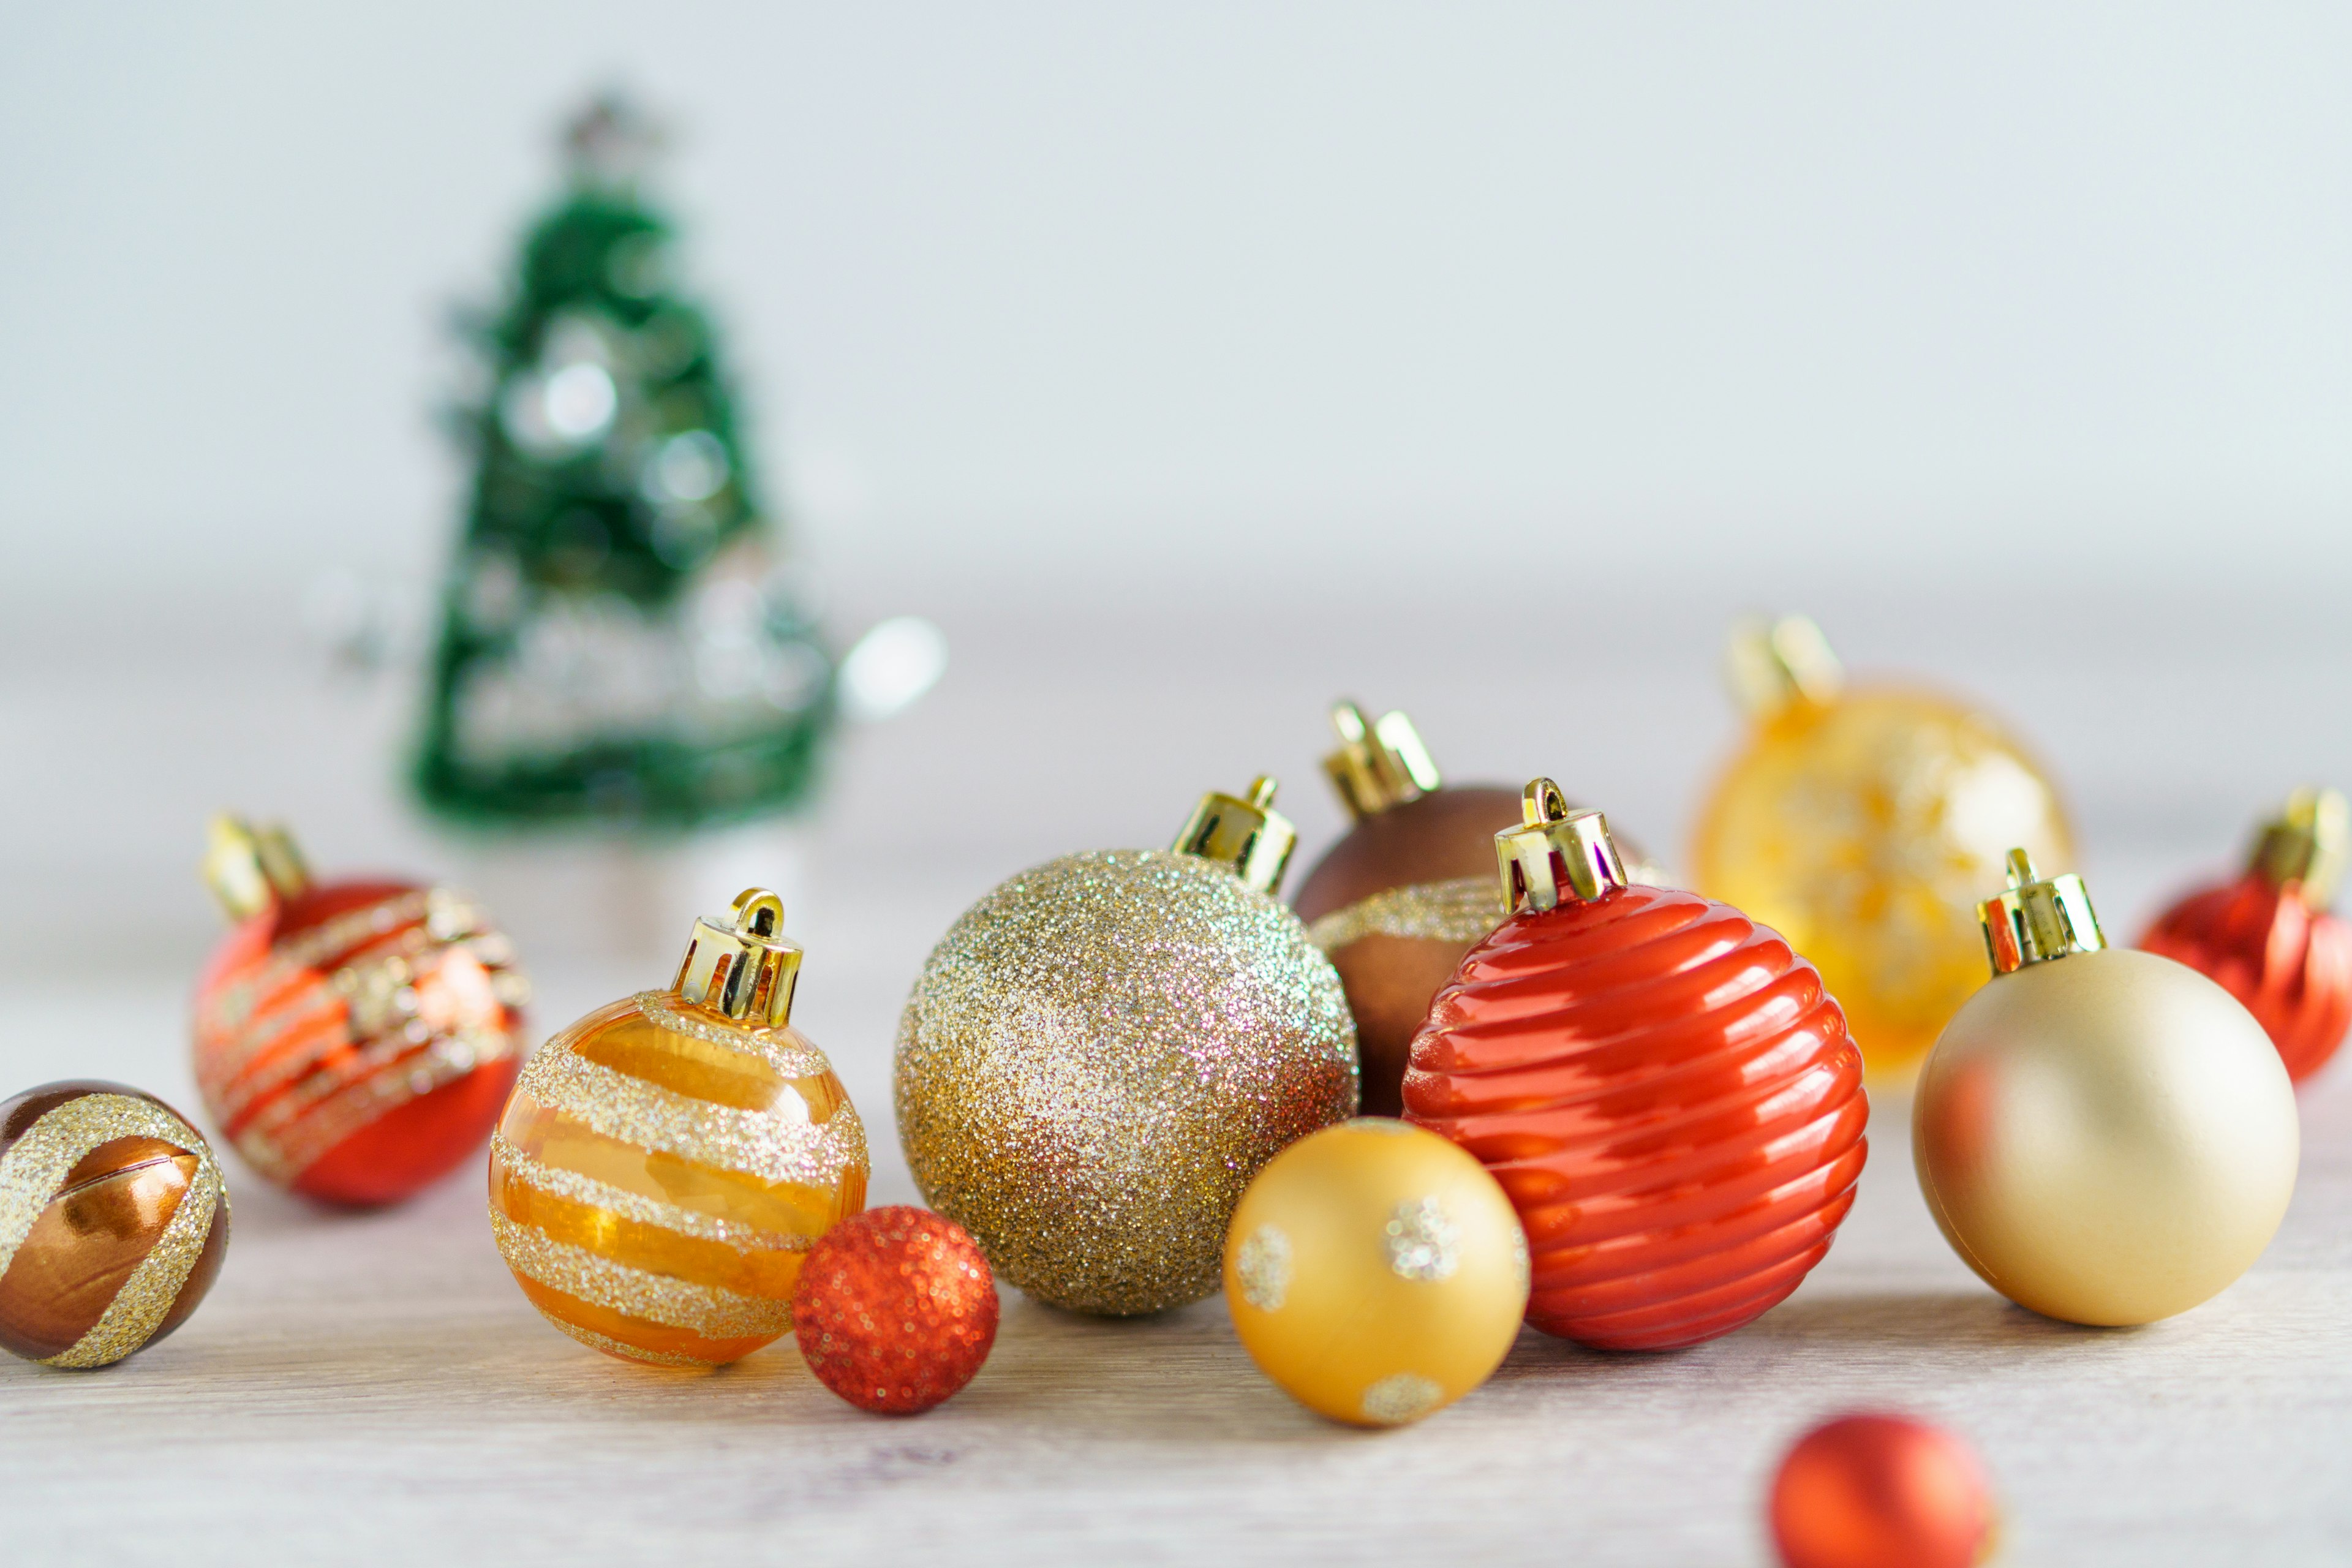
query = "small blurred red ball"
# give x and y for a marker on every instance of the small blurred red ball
(1881, 1492)
(896, 1308)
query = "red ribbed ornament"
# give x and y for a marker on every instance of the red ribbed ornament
(2268, 938)
(1662, 1086)
(354, 1041)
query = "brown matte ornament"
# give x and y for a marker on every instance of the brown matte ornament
(1407, 892)
(114, 1222)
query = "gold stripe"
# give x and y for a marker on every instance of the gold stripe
(146, 1298)
(532, 1172)
(298, 1132)
(1463, 910)
(705, 1310)
(752, 1142)
(607, 1343)
(34, 1166)
(780, 1049)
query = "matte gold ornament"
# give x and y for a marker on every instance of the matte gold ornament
(1863, 825)
(1102, 1052)
(1376, 1272)
(1408, 890)
(2105, 1136)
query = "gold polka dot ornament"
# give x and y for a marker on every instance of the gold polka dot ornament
(1376, 1272)
(1101, 1052)
(1864, 823)
(666, 1163)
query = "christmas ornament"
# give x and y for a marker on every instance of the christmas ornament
(1863, 826)
(666, 1161)
(2104, 1136)
(2268, 938)
(1407, 890)
(1662, 1085)
(114, 1222)
(1102, 1052)
(1881, 1492)
(1376, 1272)
(895, 1309)
(354, 1040)
(618, 641)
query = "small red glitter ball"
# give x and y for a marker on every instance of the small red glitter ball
(896, 1308)
(1881, 1492)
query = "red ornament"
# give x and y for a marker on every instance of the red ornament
(2268, 938)
(1881, 1492)
(1664, 1089)
(353, 1041)
(895, 1309)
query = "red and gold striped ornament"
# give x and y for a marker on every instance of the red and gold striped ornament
(2269, 938)
(354, 1040)
(114, 1222)
(668, 1161)
(1662, 1085)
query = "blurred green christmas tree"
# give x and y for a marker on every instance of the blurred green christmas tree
(615, 644)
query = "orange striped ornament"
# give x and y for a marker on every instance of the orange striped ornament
(354, 1041)
(668, 1161)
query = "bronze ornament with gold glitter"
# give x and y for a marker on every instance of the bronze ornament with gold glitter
(666, 1163)
(1408, 890)
(114, 1222)
(1102, 1052)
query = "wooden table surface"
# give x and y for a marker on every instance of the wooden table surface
(374, 1388)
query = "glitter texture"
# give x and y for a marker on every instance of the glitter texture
(896, 1309)
(708, 1309)
(668, 1219)
(1097, 1058)
(1462, 909)
(1399, 1397)
(1423, 1242)
(34, 1169)
(1262, 1264)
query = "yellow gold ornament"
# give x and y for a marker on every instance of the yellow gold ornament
(1101, 1052)
(2105, 1136)
(1376, 1272)
(666, 1163)
(1863, 825)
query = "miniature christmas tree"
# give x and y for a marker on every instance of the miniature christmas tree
(615, 644)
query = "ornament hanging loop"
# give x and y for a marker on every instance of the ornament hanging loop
(249, 869)
(2306, 845)
(742, 967)
(1775, 665)
(2036, 920)
(1244, 833)
(1556, 854)
(1377, 765)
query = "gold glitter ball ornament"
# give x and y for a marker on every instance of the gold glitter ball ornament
(1102, 1052)
(2103, 1135)
(666, 1163)
(1863, 825)
(1376, 1271)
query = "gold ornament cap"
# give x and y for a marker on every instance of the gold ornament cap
(741, 966)
(2036, 920)
(1377, 765)
(1556, 853)
(249, 869)
(1774, 665)
(1246, 835)
(2306, 844)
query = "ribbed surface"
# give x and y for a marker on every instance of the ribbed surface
(2292, 968)
(1671, 1099)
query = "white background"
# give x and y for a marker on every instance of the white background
(1033, 288)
